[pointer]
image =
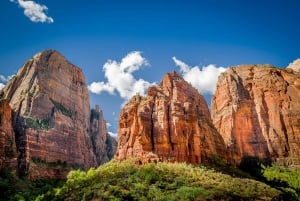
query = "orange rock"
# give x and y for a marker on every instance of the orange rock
(172, 123)
(256, 108)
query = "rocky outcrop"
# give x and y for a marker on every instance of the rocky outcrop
(104, 146)
(52, 117)
(172, 123)
(256, 108)
(8, 150)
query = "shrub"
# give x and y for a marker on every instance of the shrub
(161, 181)
(37, 124)
(62, 109)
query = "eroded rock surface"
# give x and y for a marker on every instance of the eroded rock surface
(172, 123)
(52, 117)
(256, 108)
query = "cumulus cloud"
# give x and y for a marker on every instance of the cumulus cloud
(4, 80)
(204, 79)
(1, 86)
(114, 135)
(108, 125)
(34, 11)
(120, 77)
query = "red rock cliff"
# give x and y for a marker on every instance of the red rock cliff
(8, 150)
(51, 107)
(256, 108)
(172, 123)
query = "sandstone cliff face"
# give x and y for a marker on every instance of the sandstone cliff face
(50, 101)
(256, 108)
(8, 150)
(172, 123)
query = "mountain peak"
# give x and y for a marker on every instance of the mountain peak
(171, 123)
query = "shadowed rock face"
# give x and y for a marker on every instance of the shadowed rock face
(172, 123)
(104, 145)
(256, 108)
(52, 121)
(8, 150)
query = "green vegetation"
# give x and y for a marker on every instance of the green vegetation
(63, 164)
(161, 181)
(287, 178)
(13, 188)
(157, 181)
(30, 93)
(62, 109)
(37, 124)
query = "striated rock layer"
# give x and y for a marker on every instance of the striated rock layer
(172, 123)
(8, 150)
(52, 117)
(256, 108)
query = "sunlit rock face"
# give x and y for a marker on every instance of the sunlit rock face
(52, 118)
(171, 123)
(256, 108)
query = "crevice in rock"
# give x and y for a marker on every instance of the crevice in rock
(152, 126)
(287, 148)
(169, 128)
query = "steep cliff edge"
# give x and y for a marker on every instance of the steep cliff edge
(172, 123)
(256, 108)
(50, 102)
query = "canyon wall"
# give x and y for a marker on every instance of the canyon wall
(52, 117)
(171, 123)
(256, 108)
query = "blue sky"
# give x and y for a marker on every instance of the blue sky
(151, 36)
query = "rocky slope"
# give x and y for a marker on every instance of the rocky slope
(256, 108)
(172, 123)
(52, 117)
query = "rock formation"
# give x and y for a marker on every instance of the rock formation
(8, 150)
(256, 108)
(97, 129)
(52, 117)
(172, 123)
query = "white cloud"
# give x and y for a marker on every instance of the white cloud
(108, 125)
(114, 135)
(204, 79)
(4, 80)
(1, 86)
(120, 77)
(34, 11)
